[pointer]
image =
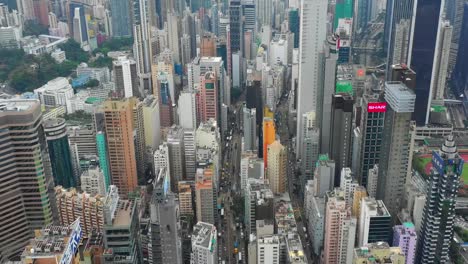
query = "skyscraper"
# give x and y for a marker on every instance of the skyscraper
(205, 196)
(422, 61)
(119, 125)
(235, 26)
(249, 128)
(460, 73)
(164, 95)
(126, 77)
(439, 211)
(269, 135)
(405, 237)
(394, 154)
(102, 153)
(24, 185)
(59, 152)
(121, 20)
(374, 222)
(77, 22)
(187, 109)
(312, 37)
(175, 143)
(41, 11)
(441, 61)
(208, 97)
(343, 9)
(310, 147)
(204, 244)
(341, 122)
(276, 172)
(293, 20)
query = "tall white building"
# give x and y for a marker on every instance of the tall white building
(441, 60)
(250, 128)
(315, 214)
(92, 181)
(268, 250)
(374, 222)
(173, 30)
(187, 110)
(204, 244)
(312, 36)
(161, 158)
(264, 12)
(190, 154)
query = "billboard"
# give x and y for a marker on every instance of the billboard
(380, 107)
(73, 243)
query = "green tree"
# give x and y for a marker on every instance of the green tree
(31, 27)
(74, 52)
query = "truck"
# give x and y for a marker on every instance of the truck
(222, 212)
(240, 256)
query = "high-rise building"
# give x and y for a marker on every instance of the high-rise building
(379, 252)
(268, 249)
(441, 61)
(269, 135)
(397, 32)
(439, 211)
(374, 222)
(460, 72)
(26, 206)
(141, 44)
(315, 213)
(276, 172)
(372, 179)
(173, 30)
(175, 143)
(139, 138)
(204, 244)
(92, 181)
(293, 20)
(83, 137)
(249, 128)
(235, 26)
(185, 199)
(343, 9)
(359, 193)
(372, 125)
(121, 20)
(312, 36)
(166, 244)
(310, 147)
(190, 150)
(259, 205)
(90, 209)
(324, 176)
(165, 91)
(455, 13)
(119, 127)
(101, 145)
(77, 22)
(125, 77)
(151, 122)
(204, 196)
(41, 11)
(340, 230)
(426, 35)
(187, 109)
(394, 154)
(207, 46)
(340, 142)
(59, 152)
(405, 237)
(208, 97)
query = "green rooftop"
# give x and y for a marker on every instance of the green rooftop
(92, 100)
(438, 109)
(344, 87)
(408, 225)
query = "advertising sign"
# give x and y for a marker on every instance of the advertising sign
(73, 243)
(377, 107)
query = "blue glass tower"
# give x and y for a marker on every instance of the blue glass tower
(103, 158)
(294, 25)
(460, 73)
(121, 20)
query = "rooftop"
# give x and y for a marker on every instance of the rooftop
(204, 235)
(123, 214)
(17, 105)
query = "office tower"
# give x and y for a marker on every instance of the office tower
(374, 222)
(422, 61)
(372, 179)
(190, 150)
(249, 128)
(315, 213)
(259, 205)
(141, 35)
(397, 32)
(165, 231)
(125, 77)
(360, 192)
(119, 127)
(72, 204)
(340, 230)
(330, 57)
(235, 26)
(343, 9)
(310, 147)
(269, 135)
(251, 167)
(460, 72)
(121, 233)
(264, 12)
(139, 139)
(59, 152)
(208, 97)
(455, 13)
(208, 45)
(185, 49)
(379, 252)
(276, 170)
(41, 11)
(372, 125)
(164, 95)
(441, 60)
(187, 111)
(249, 16)
(83, 137)
(175, 143)
(185, 198)
(161, 158)
(77, 22)
(309, 73)
(439, 211)
(101, 145)
(215, 19)
(52, 243)
(26, 206)
(394, 154)
(173, 31)
(151, 122)
(293, 23)
(268, 249)
(340, 142)
(204, 244)
(204, 196)
(324, 176)
(405, 237)
(347, 185)
(26, 9)
(92, 181)
(121, 20)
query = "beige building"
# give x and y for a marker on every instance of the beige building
(204, 194)
(359, 193)
(185, 198)
(379, 252)
(277, 157)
